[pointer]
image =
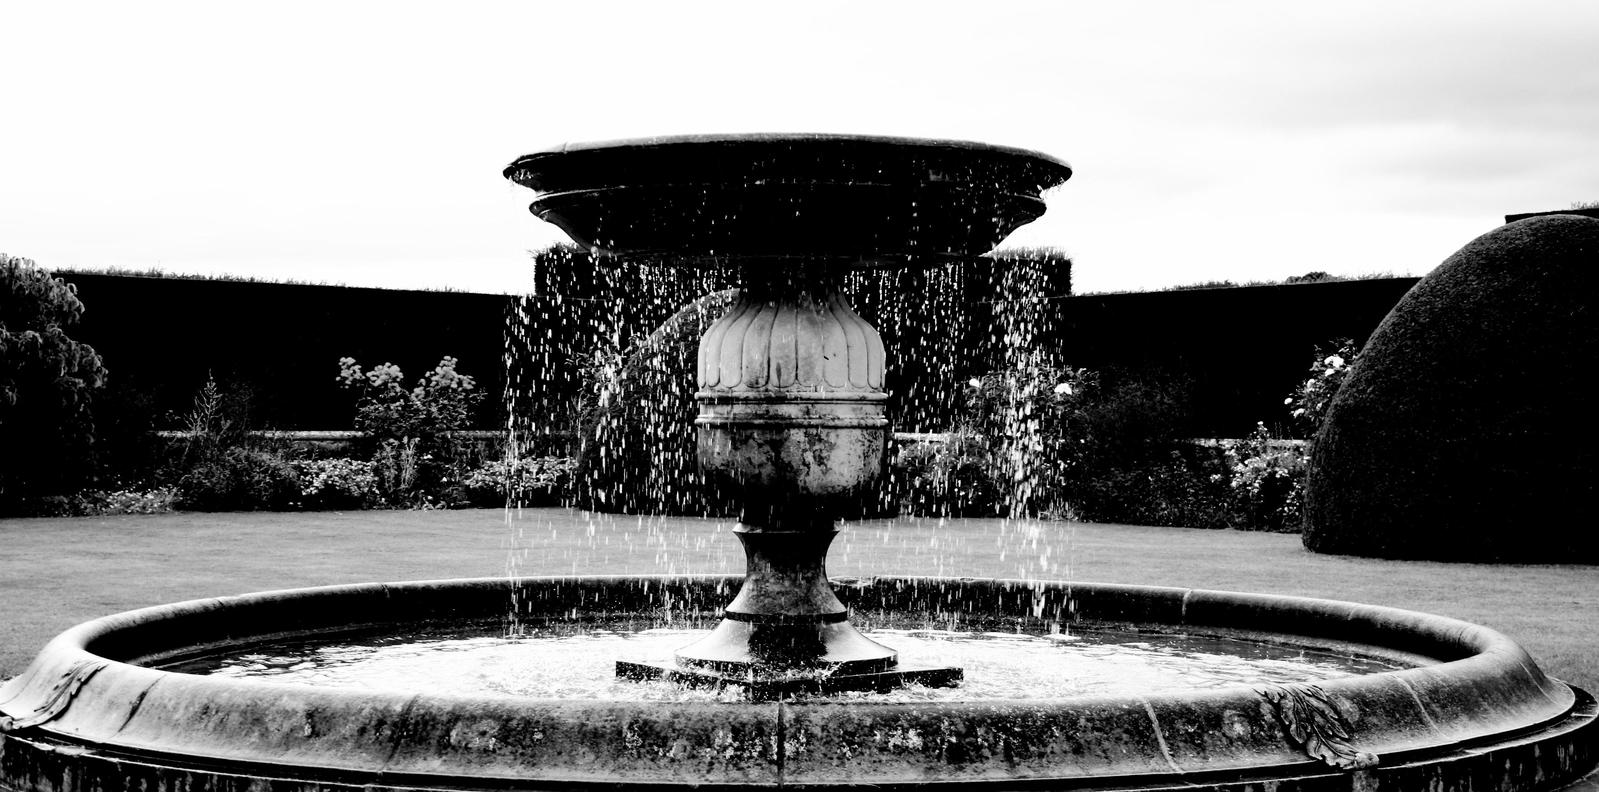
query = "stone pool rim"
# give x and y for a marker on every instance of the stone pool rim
(82, 711)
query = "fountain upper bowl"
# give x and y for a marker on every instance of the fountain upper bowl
(864, 201)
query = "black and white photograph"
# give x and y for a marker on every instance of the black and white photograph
(501, 396)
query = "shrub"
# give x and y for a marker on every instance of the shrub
(1039, 415)
(217, 421)
(1056, 441)
(1185, 485)
(637, 450)
(126, 452)
(239, 479)
(155, 500)
(217, 470)
(532, 481)
(1308, 404)
(416, 462)
(47, 381)
(397, 468)
(952, 478)
(96, 503)
(1135, 465)
(441, 401)
(1267, 471)
(336, 483)
(1267, 480)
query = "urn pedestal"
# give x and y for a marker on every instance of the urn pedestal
(793, 420)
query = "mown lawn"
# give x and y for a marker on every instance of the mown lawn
(57, 572)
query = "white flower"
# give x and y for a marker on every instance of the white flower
(1064, 387)
(1333, 361)
(975, 382)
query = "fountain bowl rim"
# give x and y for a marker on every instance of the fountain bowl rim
(899, 144)
(109, 692)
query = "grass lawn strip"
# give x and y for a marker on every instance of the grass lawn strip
(55, 573)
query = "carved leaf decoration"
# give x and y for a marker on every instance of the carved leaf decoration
(1313, 722)
(60, 695)
(791, 344)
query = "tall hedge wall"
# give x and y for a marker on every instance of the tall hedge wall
(161, 338)
(1242, 349)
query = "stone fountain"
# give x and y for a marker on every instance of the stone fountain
(793, 407)
(792, 417)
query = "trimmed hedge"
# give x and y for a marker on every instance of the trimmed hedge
(161, 338)
(1242, 348)
(1466, 429)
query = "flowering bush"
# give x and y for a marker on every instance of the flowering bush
(337, 483)
(1308, 404)
(1038, 414)
(156, 500)
(1268, 477)
(1010, 453)
(533, 481)
(414, 459)
(1108, 447)
(440, 401)
(1268, 474)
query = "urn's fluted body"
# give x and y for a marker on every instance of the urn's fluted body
(792, 406)
(791, 343)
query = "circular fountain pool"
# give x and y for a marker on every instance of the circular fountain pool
(1419, 700)
(557, 662)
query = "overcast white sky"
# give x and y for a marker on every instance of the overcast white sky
(363, 143)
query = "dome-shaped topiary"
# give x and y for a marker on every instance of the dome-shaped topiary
(1466, 431)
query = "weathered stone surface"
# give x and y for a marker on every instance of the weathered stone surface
(791, 343)
(793, 424)
(1480, 717)
(1465, 431)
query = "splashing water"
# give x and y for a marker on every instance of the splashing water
(554, 664)
(600, 366)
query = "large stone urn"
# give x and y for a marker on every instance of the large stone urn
(793, 413)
